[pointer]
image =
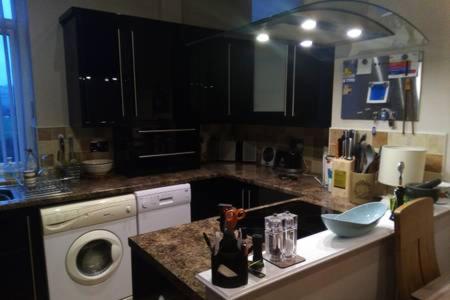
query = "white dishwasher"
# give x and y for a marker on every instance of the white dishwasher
(163, 207)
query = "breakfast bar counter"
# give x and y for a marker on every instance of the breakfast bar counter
(367, 259)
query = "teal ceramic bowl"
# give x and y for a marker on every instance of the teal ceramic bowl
(356, 221)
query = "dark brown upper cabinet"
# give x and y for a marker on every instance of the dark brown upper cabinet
(221, 78)
(93, 70)
(130, 71)
(238, 80)
(150, 48)
(310, 87)
(124, 70)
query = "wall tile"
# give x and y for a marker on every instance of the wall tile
(56, 131)
(334, 135)
(44, 134)
(278, 136)
(380, 139)
(431, 175)
(48, 141)
(434, 143)
(434, 163)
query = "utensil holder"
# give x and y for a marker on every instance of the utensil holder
(341, 182)
(362, 187)
(235, 261)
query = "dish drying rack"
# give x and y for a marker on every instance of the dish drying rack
(47, 187)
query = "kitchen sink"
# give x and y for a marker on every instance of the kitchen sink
(6, 195)
(43, 189)
(309, 217)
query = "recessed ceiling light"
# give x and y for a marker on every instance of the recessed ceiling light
(354, 33)
(309, 24)
(262, 37)
(306, 43)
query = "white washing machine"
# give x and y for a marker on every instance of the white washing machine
(86, 248)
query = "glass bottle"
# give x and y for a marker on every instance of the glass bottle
(30, 170)
(30, 162)
(9, 170)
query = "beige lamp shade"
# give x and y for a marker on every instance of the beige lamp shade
(414, 162)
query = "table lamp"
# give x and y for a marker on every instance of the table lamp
(400, 166)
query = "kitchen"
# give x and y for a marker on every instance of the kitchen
(221, 96)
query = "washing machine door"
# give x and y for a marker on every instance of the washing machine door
(94, 257)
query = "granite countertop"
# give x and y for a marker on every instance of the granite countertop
(305, 187)
(189, 253)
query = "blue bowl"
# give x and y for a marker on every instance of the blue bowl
(356, 221)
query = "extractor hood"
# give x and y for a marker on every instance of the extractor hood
(352, 27)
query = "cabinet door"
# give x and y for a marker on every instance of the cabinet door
(312, 88)
(208, 79)
(18, 258)
(240, 75)
(93, 68)
(271, 64)
(152, 57)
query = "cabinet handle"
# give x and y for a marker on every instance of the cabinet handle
(134, 73)
(229, 78)
(166, 154)
(249, 195)
(242, 198)
(293, 81)
(120, 71)
(285, 85)
(166, 130)
(30, 247)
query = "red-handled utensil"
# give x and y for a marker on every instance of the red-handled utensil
(232, 216)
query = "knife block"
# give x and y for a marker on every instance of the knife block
(236, 262)
(341, 183)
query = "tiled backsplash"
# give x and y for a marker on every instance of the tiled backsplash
(264, 135)
(48, 142)
(434, 143)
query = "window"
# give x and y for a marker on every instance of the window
(16, 101)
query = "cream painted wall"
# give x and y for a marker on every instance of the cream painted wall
(47, 49)
(433, 19)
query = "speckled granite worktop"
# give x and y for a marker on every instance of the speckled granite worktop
(306, 187)
(189, 254)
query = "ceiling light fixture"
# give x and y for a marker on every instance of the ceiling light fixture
(309, 24)
(354, 33)
(306, 43)
(262, 37)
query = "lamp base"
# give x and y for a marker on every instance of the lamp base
(399, 195)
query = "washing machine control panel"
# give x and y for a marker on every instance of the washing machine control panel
(62, 218)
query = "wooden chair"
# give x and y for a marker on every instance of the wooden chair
(415, 255)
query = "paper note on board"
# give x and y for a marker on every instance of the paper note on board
(349, 70)
(403, 65)
(364, 66)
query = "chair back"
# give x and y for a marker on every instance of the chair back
(415, 254)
